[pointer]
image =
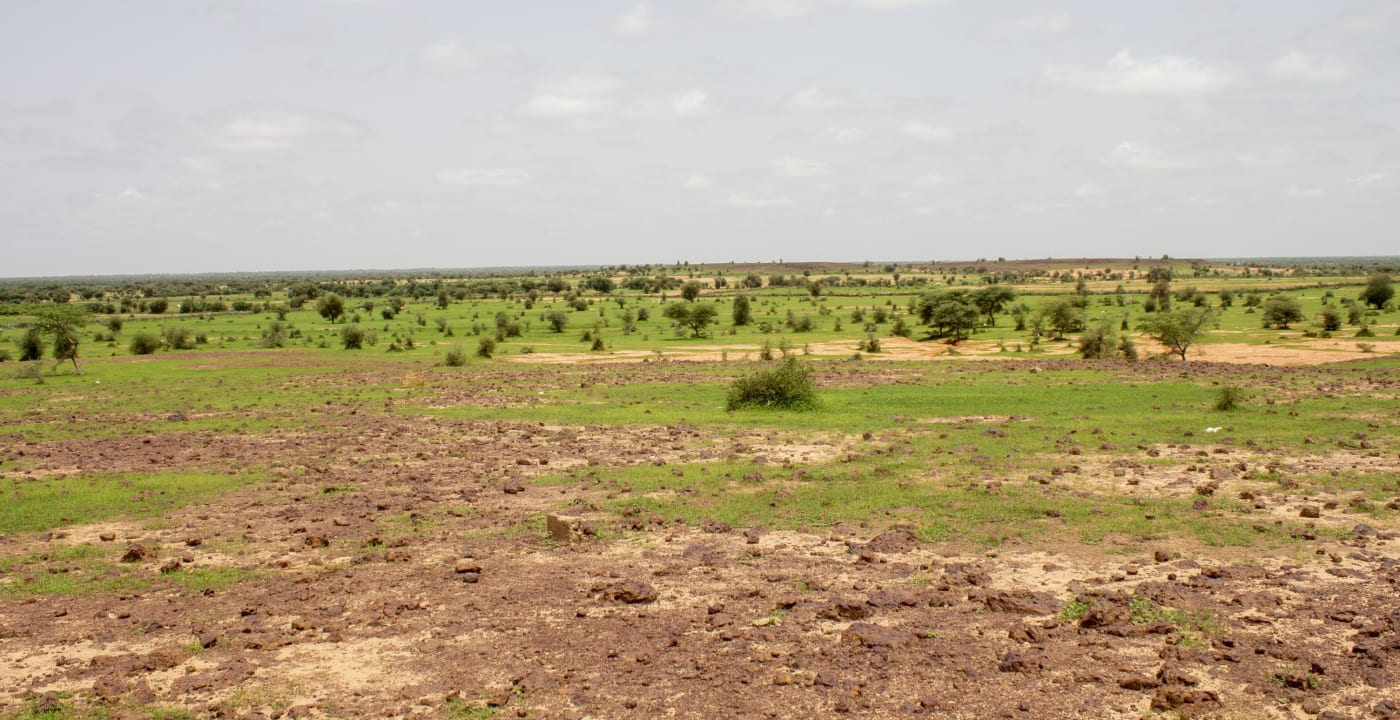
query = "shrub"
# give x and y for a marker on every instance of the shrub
(788, 386)
(352, 336)
(144, 344)
(275, 336)
(1228, 398)
(870, 345)
(456, 357)
(5, 355)
(597, 343)
(485, 347)
(178, 337)
(114, 324)
(1331, 319)
(31, 345)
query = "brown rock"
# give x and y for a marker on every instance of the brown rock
(137, 553)
(876, 636)
(1309, 511)
(631, 592)
(317, 541)
(564, 528)
(1021, 602)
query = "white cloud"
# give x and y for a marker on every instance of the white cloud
(491, 177)
(923, 132)
(796, 167)
(1139, 156)
(697, 182)
(572, 95)
(260, 129)
(1087, 190)
(932, 180)
(889, 4)
(1305, 193)
(1030, 26)
(771, 9)
(634, 22)
(688, 102)
(454, 56)
(1305, 69)
(815, 99)
(758, 200)
(840, 136)
(1367, 181)
(1164, 76)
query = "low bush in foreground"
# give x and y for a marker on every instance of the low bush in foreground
(788, 386)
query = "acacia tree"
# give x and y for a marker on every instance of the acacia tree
(991, 300)
(1161, 293)
(691, 291)
(1280, 310)
(1178, 330)
(331, 306)
(63, 322)
(1378, 291)
(696, 316)
(949, 313)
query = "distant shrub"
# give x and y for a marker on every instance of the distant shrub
(144, 344)
(486, 347)
(114, 324)
(178, 337)
(597, 344)
(31, 345)
(275, 336)
(456, 357)
(788, 386)
(871, 344)
(1228, 398)
(5, 355)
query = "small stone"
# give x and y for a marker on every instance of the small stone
(564, 528)
(137, 553)
(1309, 511)
(107, 537)
(317, 541)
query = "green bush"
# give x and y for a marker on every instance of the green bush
(456, 357)
(352, 336)
(178, 337)
(144, 344)
(1228, 398)
(485, 348)
(788, 386)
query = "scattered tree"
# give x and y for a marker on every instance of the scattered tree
(691, 291)
(1280, 310)
(743, 313)
(1378, 291)
(991, 300)
(696, 316)
(1178, 329)
(949, 313)
(557, 319)
(331, 306)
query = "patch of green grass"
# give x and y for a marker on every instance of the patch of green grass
(1145, 611)
(197, 580)
(35, 505)
(458, 710)
(1074, 609)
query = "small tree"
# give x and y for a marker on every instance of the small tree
(696, 316)
(1280, 310)
(691, 291)
(64, 323)
(1378, 291)
(1161, 293)
(485, 347)
(557, 319)
(31, 345)
(1061, 316)
(456, 357)
(743, 312)
(1100, 341)
(331, 306)
(949, 313)
(1178, 330)
(991, 300)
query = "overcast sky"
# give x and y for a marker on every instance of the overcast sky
(198, 136)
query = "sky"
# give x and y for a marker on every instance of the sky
(162, 136)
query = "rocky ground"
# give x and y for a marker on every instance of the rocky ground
(403, 567)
